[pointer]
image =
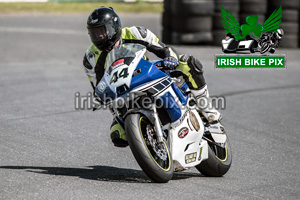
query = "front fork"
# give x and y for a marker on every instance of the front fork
(159, 133)
(154, 118)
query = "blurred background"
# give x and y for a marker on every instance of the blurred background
(183, 21)
(194, 22)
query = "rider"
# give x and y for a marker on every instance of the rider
(105, 31)
(273, 38)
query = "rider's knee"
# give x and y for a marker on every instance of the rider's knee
(193, 68)
(184, 58)
(193, 63)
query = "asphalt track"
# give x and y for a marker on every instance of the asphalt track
(48, 150)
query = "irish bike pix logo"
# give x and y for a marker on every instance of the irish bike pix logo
(251, 45)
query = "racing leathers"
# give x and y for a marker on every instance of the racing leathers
(269, 39)
(94, 62)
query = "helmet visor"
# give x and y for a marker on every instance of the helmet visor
(279, 35)
(100, 35)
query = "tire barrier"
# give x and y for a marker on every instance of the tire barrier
(192, 24)
(217, 20)
(289, 41)
(218, 36)
(192, 7)
(290, 15)
(286, 4)
(191, 38)
(251, 8)
(254, 7)
(200, 21)
(290, 21)
(218, 31)
(187, 21)
(233, 5)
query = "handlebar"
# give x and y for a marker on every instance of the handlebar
(160, 65)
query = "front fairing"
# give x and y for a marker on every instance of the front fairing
(121, 63)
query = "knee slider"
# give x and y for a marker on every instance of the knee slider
(195, 64)
(184, 58)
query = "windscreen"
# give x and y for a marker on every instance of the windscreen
(121, 53)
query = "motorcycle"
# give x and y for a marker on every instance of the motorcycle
(164, 129)
(266, 47)
(267, 44)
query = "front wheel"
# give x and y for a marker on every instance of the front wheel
(218, 162)
(154, 158)
(264, 48)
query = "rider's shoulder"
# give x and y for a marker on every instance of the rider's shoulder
(135, 32)
(93, 50)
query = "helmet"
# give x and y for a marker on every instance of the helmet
(104, 27)
(279, 33)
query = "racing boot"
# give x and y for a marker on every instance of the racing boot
(205, 106)
(117, 134)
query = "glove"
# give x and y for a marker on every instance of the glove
(170, 63)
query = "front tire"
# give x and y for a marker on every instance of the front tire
(154, 159)
(264, 48)
(218, 162)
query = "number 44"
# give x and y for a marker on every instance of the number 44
(122, 74)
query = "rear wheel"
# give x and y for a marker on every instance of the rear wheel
(218, 162)
(154, 158)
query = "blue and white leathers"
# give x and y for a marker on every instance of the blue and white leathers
(130, 78)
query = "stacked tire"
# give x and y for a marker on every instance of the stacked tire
(200, 22)
(252, 8)
(290, 21)
(187, 21)
(167, 19)
(233, 6)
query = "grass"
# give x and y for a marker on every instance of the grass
(79, 7)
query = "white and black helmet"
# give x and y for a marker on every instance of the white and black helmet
(104, 27)
(279, 33)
